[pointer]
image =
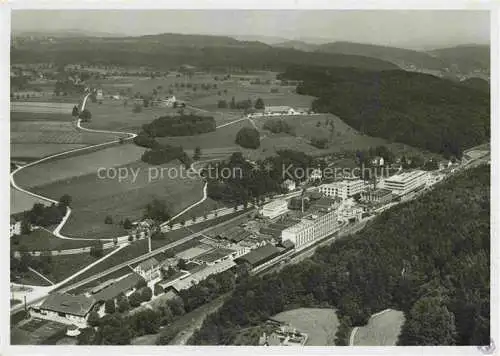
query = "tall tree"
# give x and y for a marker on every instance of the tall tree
(429, 323)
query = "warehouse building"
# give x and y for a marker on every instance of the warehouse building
(407, 182)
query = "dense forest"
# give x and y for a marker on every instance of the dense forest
(417, 109)
(429, 258)
(253, 182)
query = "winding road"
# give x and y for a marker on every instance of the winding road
(58, 228)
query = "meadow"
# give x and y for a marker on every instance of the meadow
(381, 330)
(43, 240)
(93, 197)
(42, 107)
(319, 324)
(86, 163)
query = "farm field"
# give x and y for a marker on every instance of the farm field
(39, 150)
(285, 96)
(319, 324)
(16, 116)
(20, 201)
(43, 240)
(43, 107)
(381, 330)
(94, 198)
(85, 163)
(38, 134)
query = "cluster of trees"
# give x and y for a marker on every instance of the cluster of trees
(248, 137)
(157, 210)
(181, 125)
(164, 154)
(278, 126)
(85, 115)
(241, 104)
(65, 87)
(21, 265)
(417, 109)
(41, 215)
(250, 183)
(429, 258)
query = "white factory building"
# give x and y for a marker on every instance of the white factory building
(404, 183)
(343, 189)
(274, 209)
(311, 228)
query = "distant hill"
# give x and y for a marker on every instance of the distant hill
(299, 45)
(171, 50)
(412, 108)
(394, 55)
(467, 57)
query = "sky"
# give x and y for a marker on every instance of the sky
(403, 28)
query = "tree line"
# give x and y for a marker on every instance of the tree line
(428, 257)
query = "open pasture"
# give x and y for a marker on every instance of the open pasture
(94, 198)
(319, 324)
(86, 163)
(381, 330)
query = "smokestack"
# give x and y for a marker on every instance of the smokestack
(302, 199)
(149, 242)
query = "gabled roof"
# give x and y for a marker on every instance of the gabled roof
(79, 305)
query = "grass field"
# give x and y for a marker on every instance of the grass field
(381, 330)
(39, 150)
(36, 116)
(43, 240)
(39, 134)
(65, 168)
(20, 201)
(94, 198)
(320, 324)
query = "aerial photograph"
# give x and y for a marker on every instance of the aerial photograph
(249, 177)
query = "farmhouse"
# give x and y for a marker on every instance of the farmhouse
(15, 227)
(66, 308)
(149, 269)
